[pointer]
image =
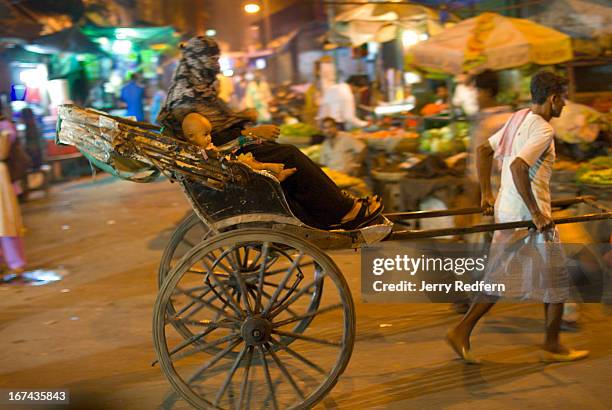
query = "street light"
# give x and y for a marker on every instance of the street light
(252, 8)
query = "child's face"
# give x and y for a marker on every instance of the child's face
(201, 140)
(197, 130)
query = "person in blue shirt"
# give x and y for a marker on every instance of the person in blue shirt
(133, 95)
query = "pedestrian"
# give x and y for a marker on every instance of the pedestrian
(33, 138)
(338, 102)
(489, 118)
(526, 147)
(132, 94)
(11, 228)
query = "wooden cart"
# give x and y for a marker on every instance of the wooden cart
(251, 311)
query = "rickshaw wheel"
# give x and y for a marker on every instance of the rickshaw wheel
(191, 231)
(239, 355)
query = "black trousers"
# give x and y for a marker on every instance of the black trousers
(311, 194)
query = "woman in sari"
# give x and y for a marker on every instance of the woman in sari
(11, 228)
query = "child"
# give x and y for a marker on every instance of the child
(197, 129)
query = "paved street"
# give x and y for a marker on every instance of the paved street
(91, 332)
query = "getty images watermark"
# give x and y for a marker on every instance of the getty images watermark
(445, 272)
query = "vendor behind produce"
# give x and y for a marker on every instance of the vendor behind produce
(338, 102)
(340, 151)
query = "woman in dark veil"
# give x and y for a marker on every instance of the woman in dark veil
(313, 197)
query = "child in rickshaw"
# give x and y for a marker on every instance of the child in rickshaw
(197, 130)
(312, 196)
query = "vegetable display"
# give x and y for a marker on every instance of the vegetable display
(444, 140)
(597, 171)
(298, 130)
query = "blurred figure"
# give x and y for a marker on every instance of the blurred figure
(440, 103)
(341, 151)
(376, 94)
(490, 118)
(11, 228)
(442, 94)
(156, 101)
(311, 104)
(33, 138)
(226, 87)
(258, 97)
(338, 102)
(409, 98)
(238, 97)
(133, 95)
(465, 96)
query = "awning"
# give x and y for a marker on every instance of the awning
(577, 18)
(141, 35)
(492, 41)
(380, 22)
(69, 41)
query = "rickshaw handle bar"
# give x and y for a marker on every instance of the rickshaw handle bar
(431, 233)
(589, 199)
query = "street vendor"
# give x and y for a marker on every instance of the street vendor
(313, 196)
(341, 151)
(526, 147)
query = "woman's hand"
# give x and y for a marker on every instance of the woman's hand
(249, 114)
(265, 132)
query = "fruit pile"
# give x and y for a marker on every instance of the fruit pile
(341, 179)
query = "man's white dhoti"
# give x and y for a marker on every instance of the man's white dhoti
(530, 265)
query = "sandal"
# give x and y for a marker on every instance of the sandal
(364, 216)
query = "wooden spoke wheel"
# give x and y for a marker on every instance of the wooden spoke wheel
(190, 232)
(257, 339)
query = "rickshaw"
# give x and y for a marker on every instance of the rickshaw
(251, 311)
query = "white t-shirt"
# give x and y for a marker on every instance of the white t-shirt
(466, 97)
(338, 102)
(341, 153)
(534, 143)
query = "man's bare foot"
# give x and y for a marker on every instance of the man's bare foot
(556, 348)
(460, 343)
(560, 353)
